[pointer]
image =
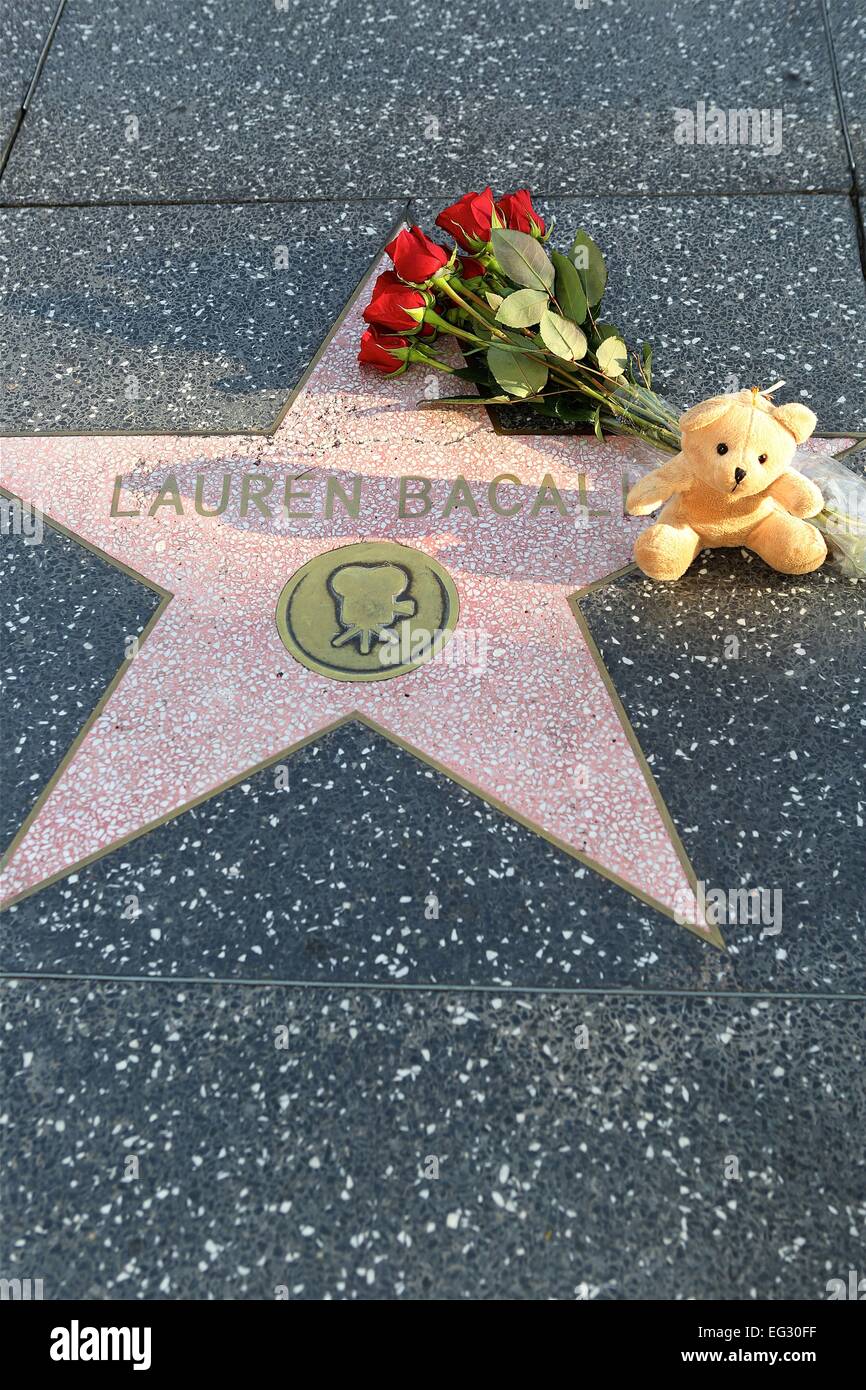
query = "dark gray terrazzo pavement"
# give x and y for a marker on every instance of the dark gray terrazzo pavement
(745, 689)
(230, 1143)
(143, 99)
(173, 318)
(848, 29)
(369, 867)
(24, 28)
(65, 617)
(372, 868)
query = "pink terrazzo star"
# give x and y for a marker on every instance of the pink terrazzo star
(212, 692)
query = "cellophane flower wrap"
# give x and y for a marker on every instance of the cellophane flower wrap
(842, 520)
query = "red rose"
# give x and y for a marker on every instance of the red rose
(380, 350)
(388, 304)
(468, 220)
(416, 258)
(470, 267)
(518, 214)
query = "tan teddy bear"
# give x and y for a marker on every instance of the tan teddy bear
(732, 484)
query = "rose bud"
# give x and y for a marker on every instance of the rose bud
(518, 214)
(387, 352)
(469, 220)
(416, 258)
(470, 268)
(428, 322)
(389, 302)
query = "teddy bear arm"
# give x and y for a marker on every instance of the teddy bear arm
(798, 495)
(657, 487)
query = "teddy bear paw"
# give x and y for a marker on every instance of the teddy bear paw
(789, 545)
(665, 552)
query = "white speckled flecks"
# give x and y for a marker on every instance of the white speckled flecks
(213, 692)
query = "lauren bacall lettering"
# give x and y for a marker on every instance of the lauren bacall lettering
(76, 1343)
(303, 498)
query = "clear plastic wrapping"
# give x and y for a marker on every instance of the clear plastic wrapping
(842, 522)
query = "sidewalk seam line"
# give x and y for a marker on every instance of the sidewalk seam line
(394, 987)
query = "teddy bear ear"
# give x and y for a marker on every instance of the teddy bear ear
(798, 420)
(704, 414)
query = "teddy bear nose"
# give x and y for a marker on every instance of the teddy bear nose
(739, 474)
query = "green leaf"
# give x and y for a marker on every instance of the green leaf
(596, 424)
(523, 259)
(516, 372)
(590, 264)
(567, 408)
(522, 309)
(514, 342)
(494, 300)
(569, 290)
(562, 337)
(604, 330)
(612, 356)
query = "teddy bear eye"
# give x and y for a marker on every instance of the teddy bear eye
(762, 458)
(721, 448)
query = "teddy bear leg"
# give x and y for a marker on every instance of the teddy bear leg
(665, 551)
(788, 544)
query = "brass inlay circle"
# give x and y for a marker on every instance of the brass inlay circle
(368, 611)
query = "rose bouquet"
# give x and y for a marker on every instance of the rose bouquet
(528, 321)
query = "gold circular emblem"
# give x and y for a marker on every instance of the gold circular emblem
(367, 612)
